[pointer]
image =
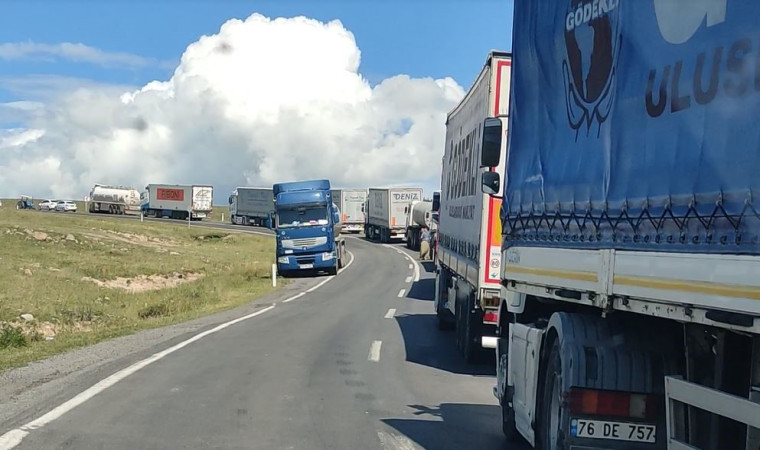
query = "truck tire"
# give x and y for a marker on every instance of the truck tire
(472, 317)
(508, 426)
(551, 431)
(442, 315)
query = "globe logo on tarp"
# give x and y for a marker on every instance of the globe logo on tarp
(592, 43)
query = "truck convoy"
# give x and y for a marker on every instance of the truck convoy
(385, 212)
(630, 276)
(114, 200)
(418, 215)
(350, 203)
(177, 201)
(252, 206)
(307, 226)
(469, 232)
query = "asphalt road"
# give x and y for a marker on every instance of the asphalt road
(356, 363)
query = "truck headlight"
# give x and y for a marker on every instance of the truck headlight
(327, 256)
(283, 260)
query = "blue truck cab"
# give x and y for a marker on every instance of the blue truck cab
(307, 224)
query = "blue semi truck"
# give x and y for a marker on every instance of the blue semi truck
(629, 292)
(307, 225)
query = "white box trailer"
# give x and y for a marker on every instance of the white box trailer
(350, 202)
(469, 231)
(251, 206)
(385, 211)
(203, 199)
(167, 200)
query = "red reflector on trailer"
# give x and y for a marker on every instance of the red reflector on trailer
(611, 403)
(491, 317)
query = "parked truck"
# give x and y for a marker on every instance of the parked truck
(385, 212)
(630, 277)
(114, 199)
(350, 203)
(418, 215)
(307, 225)
(176, 201)
(252, 206)
(468, 234)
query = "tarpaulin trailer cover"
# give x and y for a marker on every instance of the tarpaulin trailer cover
(635, 125)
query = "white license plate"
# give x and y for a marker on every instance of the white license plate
(619, 431)
(306, 266)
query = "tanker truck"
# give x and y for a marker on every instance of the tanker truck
(629, 312)
(418, 215)
(114, 200)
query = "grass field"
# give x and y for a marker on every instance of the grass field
(88, 278)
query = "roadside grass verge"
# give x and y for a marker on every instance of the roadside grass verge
(70, 280)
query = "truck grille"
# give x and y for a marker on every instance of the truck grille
(304, 242)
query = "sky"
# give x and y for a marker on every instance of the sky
(234, 93)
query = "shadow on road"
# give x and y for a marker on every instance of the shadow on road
(423, 290)
(455, 426)
(428, 266)
(425, 344)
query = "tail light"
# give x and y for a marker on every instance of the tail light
(491, 317)
(611, 403)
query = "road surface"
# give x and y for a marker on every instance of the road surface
(356, 363)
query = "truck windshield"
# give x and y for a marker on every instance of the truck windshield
(302, 217)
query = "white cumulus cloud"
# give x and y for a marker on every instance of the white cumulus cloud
(261, 101)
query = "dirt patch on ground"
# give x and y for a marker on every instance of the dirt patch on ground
(130, 238)
(144, 283)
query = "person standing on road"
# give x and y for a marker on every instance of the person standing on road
(425, 244)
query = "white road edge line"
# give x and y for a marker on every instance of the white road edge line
(374, 351)
(391, 312)
(412, 260)
(401, 293)
(320, 284)
(14, 437)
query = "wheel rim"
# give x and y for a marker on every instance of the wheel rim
(554, 412)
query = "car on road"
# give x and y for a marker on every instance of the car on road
(47, 205)
(66, 206)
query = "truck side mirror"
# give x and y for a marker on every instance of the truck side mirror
(490, 183)
(491, 144)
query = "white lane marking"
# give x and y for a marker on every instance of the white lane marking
(321, 283)
(412, 260)
(391, 312)
(14, 437)
(300, 294)
(349, 263)
(411, 267)
(408, 279)
(401, 293)
(374, 351)
(391, 441)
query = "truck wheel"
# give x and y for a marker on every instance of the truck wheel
(408, 240)
(508, 426)
(470, 346)
(341, 257)
(441, 313)
(459, 326)
(552, 414)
